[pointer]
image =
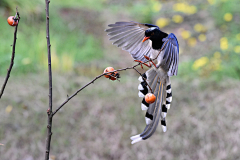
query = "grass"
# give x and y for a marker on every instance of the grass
(97, 123)
(70, 47)
(78, 35)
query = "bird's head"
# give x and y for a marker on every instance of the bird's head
(151, 33)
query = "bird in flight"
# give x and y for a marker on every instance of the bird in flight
(146, 42)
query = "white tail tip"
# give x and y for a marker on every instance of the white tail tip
(135, 137)
(144, 107)
(169, 90)
(140, 87)
(140, 94)
(164, 128)
(137, 140)
(140, 79)
(164, 114)
(168, 106)
(148, 120)
(169, 99)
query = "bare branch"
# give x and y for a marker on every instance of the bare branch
(13, 55)
(49, 111)
(92, 81)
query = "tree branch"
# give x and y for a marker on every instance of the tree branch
(49, 111)
(92, 81)
(13, 55)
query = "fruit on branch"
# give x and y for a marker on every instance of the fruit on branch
(150, 98)
(113, 76)
(108, 69)
(12, 21)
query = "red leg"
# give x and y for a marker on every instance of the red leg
(150, 60)
(146, 57)
(153, 64)
(148, 65)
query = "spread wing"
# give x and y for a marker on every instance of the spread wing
(171, 54)
(129, 36)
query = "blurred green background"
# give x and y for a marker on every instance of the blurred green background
(202, 122)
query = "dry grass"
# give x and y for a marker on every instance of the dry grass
(202, 122)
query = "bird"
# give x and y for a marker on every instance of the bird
(146, 42)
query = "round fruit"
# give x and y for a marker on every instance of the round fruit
(108, 69)
(113, 76)
(11, 21)
(150, 98)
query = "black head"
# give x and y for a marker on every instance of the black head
(151, 32)
(156, 36)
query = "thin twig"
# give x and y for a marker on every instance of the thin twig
(49, 111)
(92, 81)
(13, 55)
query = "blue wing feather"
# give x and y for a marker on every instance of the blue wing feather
(171, 54)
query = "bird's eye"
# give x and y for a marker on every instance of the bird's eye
(152, 33)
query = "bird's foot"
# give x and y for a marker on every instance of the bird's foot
(141, 62)
(150, 60)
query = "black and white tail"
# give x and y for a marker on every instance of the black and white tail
(158, 110)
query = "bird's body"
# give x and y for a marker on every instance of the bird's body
(147, 40)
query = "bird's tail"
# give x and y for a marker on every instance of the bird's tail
(158, 110)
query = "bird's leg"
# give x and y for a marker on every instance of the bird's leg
(148, 65)
(150, 61)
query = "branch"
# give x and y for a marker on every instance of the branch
(13, 55)
(49, 111)
(92, 81)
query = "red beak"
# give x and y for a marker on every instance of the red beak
(145, 38)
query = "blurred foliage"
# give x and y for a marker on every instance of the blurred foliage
(209, 36)
(225, 61)
(75, 38)
(70, 45)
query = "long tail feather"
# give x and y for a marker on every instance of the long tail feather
(169, 95)
(158, 110)
(156, 114)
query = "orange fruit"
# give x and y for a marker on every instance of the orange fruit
(108, 69)
(11, 21)
(113, 74)
(150, 98)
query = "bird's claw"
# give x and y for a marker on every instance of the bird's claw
(148, 65)
(150, 60)
(146, 57)
(141, 62)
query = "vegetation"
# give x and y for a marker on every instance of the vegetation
(202, 122)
